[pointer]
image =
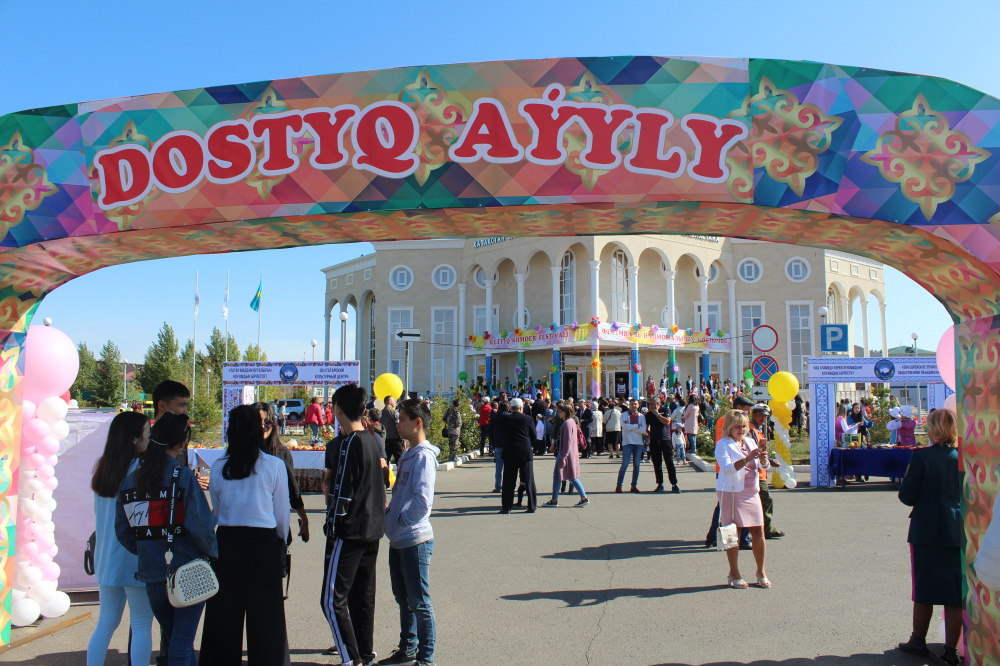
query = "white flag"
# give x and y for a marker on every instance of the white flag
(225, 304)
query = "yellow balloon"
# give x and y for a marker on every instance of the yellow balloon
(388, 385)
(783, 386)
(776, 480)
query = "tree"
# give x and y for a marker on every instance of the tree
(253, 353)
(161, 361)
(87, 375)
(216, 354)
(110, 376)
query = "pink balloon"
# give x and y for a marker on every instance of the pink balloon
(48, 446)
(946, 357)
(52, 460)
(34, 531)
(51, 484)
(36, 430)
(31, 549)
(53, 551)
(36, 460)
(51, 363)
(28, 410)
(951, 404)
(45, 542)
(45, 472)
(50, 571)
(41, 559)
(27, 450)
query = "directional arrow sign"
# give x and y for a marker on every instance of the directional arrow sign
(408, 334)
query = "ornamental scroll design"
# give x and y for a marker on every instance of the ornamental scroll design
(270, 102)
(24, 183)
(125, 216)
(786, 139)
(442, 116)
(925, 156)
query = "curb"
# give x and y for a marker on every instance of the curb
(699, 464)
(461, 460)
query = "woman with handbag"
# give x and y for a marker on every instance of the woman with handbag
(160, 488)
(567, 457)
(739, 460)
(249, 490)
(612, 428)
(115, 567)
(933, 487)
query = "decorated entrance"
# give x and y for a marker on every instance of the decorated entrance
(897, 167)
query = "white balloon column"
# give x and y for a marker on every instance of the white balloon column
(50, 366)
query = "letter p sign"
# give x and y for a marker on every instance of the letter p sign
(833, 338)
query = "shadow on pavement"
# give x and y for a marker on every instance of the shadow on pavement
(630, 550)
(892, 656)
(580, 598)
(466, 510)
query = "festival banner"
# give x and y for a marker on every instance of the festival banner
(329, 373)
(580, 334)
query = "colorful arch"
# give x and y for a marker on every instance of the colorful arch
(893, 166)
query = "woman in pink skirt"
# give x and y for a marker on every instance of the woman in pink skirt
(739, 460)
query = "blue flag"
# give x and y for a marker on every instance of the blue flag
(255, 303)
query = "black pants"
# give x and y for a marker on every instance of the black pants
(484, 435)
(393, 450)
(597, 445)
(250, 567)
(663, 451)
(511, 470)
(348, 598)
(612, 438)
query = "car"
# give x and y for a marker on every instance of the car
(294, 409)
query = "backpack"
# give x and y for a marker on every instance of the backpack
(581, 440)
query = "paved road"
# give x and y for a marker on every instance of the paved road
(625, 580)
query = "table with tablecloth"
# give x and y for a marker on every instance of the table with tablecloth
(889, 463)
(309, 465)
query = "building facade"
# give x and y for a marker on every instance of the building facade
(455, 291)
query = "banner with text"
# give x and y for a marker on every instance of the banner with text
(567, 336)
(328, 373)
(894, 370)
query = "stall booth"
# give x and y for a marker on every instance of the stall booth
(828, 463)
(238, 383)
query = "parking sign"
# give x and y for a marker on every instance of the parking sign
(833, 338)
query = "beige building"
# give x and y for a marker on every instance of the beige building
(445, 288)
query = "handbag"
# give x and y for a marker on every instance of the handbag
(190, 583)
(444, 432)
(728, 536)
(581, 440)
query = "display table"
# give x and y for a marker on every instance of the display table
(309, 465)
(889, 463)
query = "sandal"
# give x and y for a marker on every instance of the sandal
(737, 583)
(763, 582)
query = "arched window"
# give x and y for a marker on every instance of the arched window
(619, 286)
(567, 290)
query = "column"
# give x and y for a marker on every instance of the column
(489, 324)
(595, 267)
(556, 392)
(864, 325)
(520, 278)
(671, 321)
(633, 294)
(706, 365)
(885, 345)
(845, 307)
(556, 304)
(462, 336)
(326, 352)
(734, 352)
(595, 372)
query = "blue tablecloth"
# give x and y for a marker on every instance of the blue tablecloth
(869, 462)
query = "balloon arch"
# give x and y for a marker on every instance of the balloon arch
(897, 167)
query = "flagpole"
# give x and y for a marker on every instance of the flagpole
(194, 344)
(260, 305)
(227, 316)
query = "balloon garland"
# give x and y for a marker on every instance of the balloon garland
(783, 387)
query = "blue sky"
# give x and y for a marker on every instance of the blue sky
(76, 51)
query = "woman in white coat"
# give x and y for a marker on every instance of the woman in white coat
(739, 461)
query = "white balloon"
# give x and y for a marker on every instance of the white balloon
(17, 594)
(791, 483)
(378, 404)
(784, 476)
(52, 410)
(43, 495)
(790, 404)
(33, 486)
(73, 404)
(29, 577)
(60, 430)
(27, 473)
(25, 612)
(56, 606)
(28, 507)
(50, 528)
(42, 591)
(20, 565)
(42, 516)
(28, 410)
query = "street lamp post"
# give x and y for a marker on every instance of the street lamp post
(208, 390)
(343, 335)
(125, 382)
(914, 336)
(313, 343)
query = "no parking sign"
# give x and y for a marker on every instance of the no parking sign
(763, 368)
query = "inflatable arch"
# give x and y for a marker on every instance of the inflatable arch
(898, 167)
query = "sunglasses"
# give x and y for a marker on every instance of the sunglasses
(268, 425)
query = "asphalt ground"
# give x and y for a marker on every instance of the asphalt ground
(625, 580)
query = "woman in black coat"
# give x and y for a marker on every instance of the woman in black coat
(933, 487)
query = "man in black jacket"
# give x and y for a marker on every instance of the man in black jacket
(393, 442)
(517, 432)
(661, 448)
(355, 495)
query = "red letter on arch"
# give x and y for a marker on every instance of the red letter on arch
(487, 136)
(712, 139)
(230, 153)
(124, 174)
(548, 118)
(385, 136)
(603, 124)
(647, 151)
(328, 126)
(276, 130)
(178, 161)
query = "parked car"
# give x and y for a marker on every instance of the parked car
(294, 409)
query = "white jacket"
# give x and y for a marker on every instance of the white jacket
(597, 425)
(613, 419)
(727, 452)
(632, 433)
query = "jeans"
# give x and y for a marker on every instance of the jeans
(498, 464)
(140, 618)
(179, 625)
(315, 431)
(630, 452)
(574, 483)
(692, 440)
(409, 573)
(679, 452)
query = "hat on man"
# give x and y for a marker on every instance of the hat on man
(516, 403)
(760, 407)
(742, 401)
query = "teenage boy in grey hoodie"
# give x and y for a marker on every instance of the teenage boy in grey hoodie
(411, 540)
